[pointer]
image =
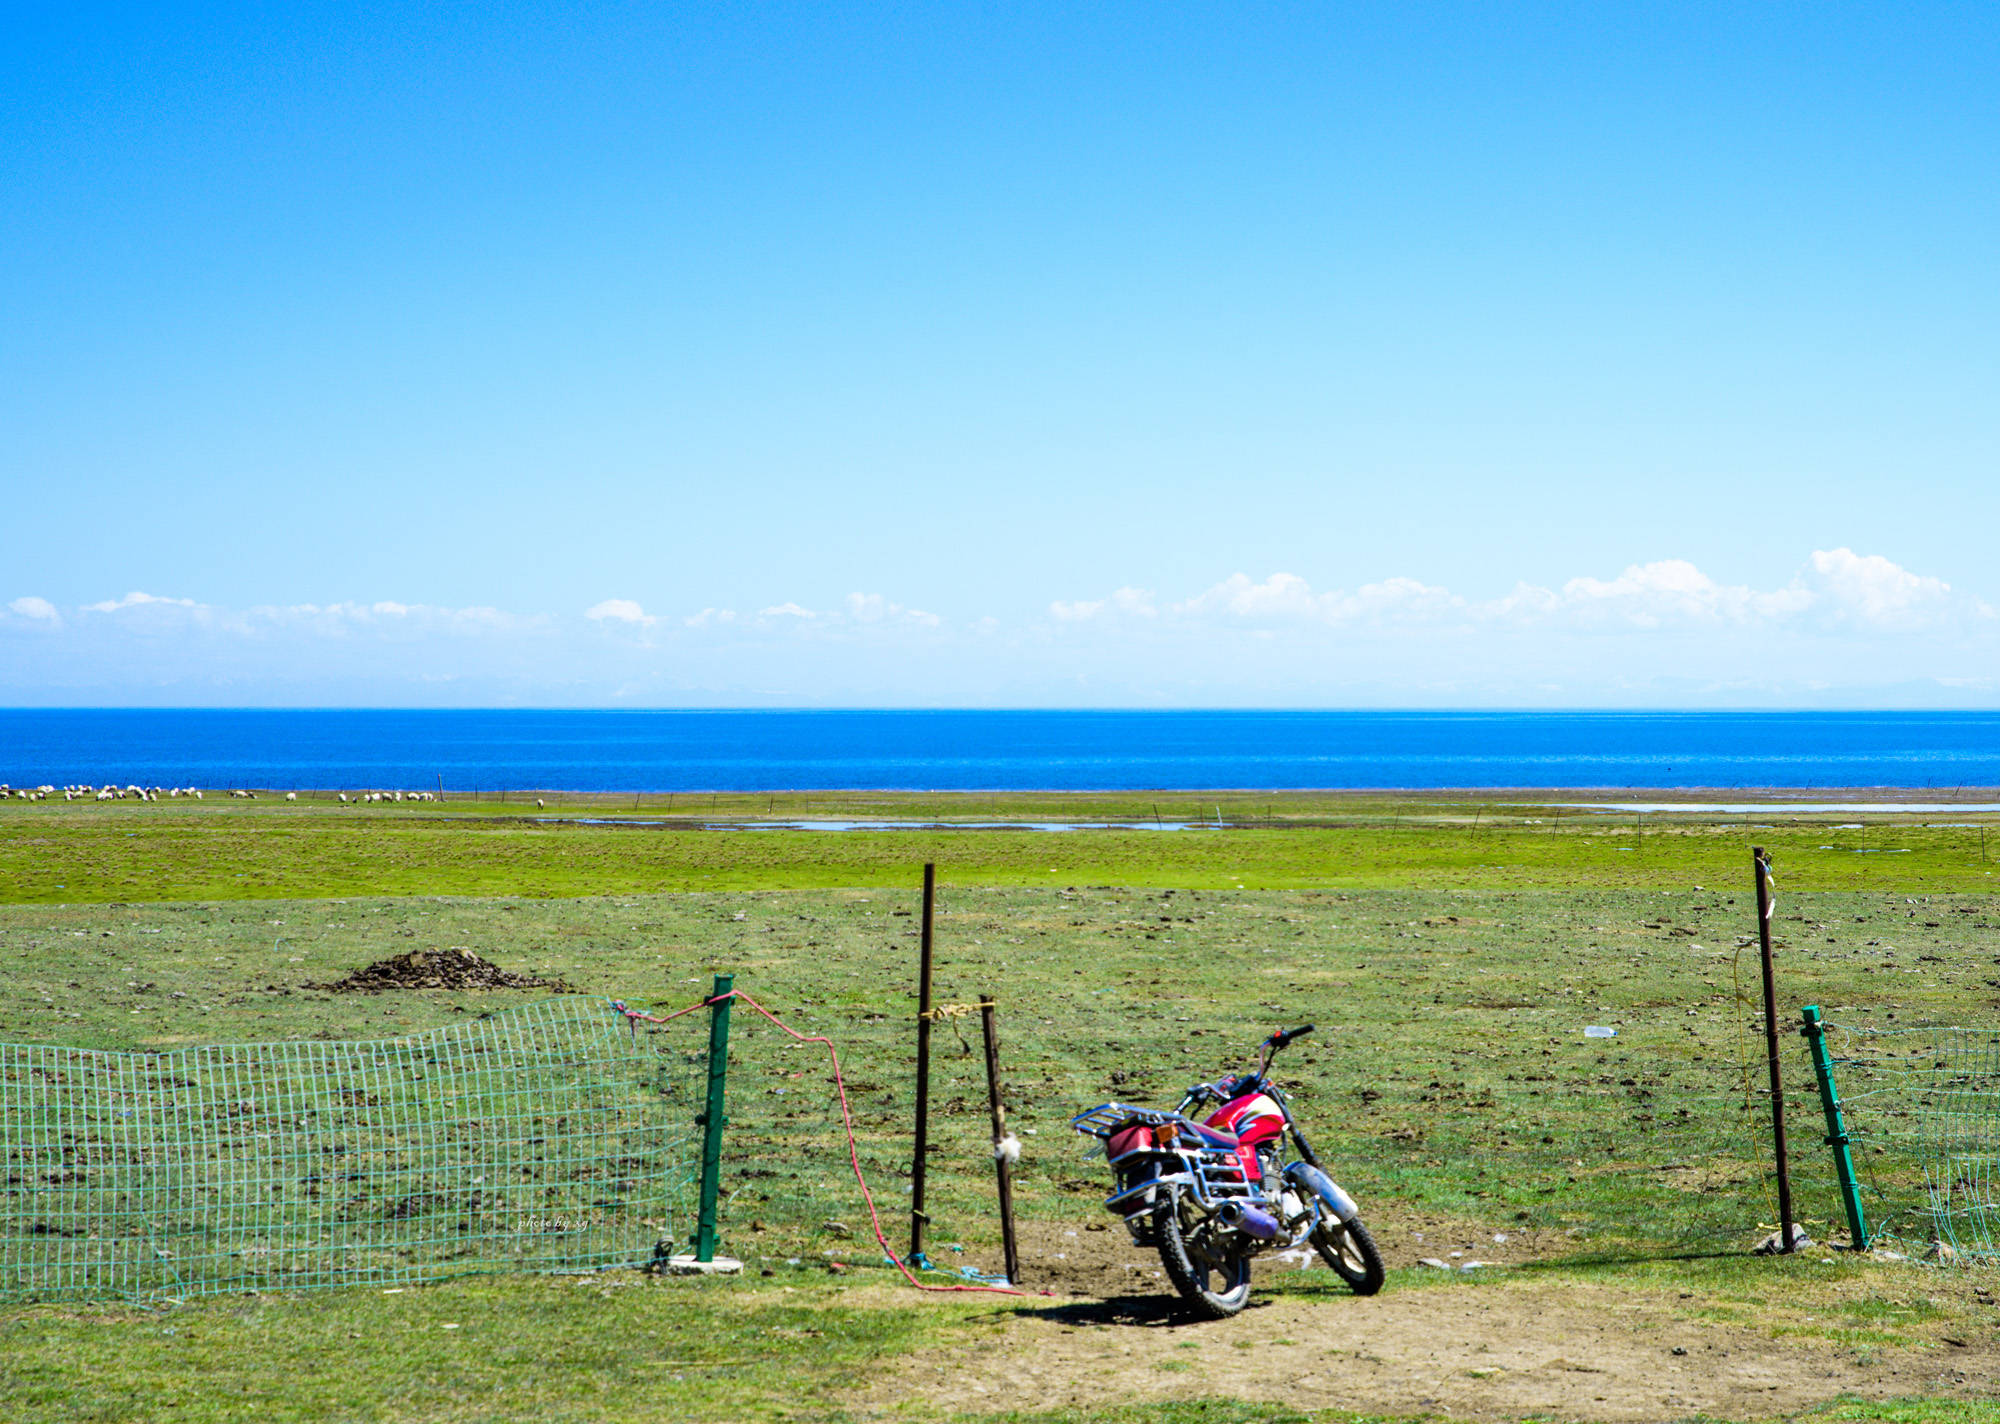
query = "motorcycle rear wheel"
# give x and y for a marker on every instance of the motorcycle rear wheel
(1350, 1250)
(1210, 1276)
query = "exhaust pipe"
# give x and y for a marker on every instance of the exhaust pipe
(1248, 1220)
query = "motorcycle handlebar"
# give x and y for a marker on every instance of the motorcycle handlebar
(1285, 1035)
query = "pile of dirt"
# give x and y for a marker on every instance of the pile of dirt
(436, 969)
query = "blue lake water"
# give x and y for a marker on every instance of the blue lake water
(953, 750)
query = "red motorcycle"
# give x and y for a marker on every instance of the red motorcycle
(1211, 1195)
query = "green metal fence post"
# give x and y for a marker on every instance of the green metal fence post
(712, 1118)
(1836, 1131)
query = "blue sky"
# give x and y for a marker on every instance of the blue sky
(652, 355)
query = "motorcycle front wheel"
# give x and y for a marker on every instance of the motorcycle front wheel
(1350, 1250)
(1200, 1261)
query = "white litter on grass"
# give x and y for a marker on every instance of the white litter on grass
(1599, 1031)
(1474, 1265)
(1301, 1256)
(1434, 1263)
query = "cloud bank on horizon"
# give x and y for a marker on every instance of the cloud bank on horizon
(1656, 634)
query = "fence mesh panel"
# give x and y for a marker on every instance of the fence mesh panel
(547, 1137)
(1923, 1109)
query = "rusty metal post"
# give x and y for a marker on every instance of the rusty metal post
(1765, 905)
(1003, 1169)
(917, 1217)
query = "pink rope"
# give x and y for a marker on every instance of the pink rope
(634, 1016)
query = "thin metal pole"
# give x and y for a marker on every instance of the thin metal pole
(1001, 1168)
(712, 1118)
(1836, 1129)
(1764, 908)
(917, 1217)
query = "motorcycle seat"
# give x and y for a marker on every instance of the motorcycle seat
(1215, 1137)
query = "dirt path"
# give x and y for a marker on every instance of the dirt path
(1496, 1352)
(1497, 1348)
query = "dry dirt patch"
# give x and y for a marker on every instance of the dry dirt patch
(1500, 1348)
(436, 969)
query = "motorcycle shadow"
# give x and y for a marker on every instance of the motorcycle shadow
(1143, 1311)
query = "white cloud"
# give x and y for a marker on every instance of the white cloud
(1281, 596)
(1286, 598)
(1671, 591)
(1397, 598)
(1663, 630)
(1870, 589)
(1525, 602)
(400, 623)
(137, 600)
(619, 610)
(1128, 602)
(874, 608)
(1835, 587)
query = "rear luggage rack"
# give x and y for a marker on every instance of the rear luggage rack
(1104, 1120)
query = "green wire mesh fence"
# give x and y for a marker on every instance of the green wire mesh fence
(550, 1137)
(1654, 1142)
(1923, 1110)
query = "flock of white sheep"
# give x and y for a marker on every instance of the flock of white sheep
(110, 792)
(85, 792)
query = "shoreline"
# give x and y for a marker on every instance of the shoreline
(1179, 803)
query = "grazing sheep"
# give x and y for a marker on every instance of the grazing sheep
(540, 804)
(195, 792)
(291, 795)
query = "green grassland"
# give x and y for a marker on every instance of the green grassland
(54, 853)
(1451, 954)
